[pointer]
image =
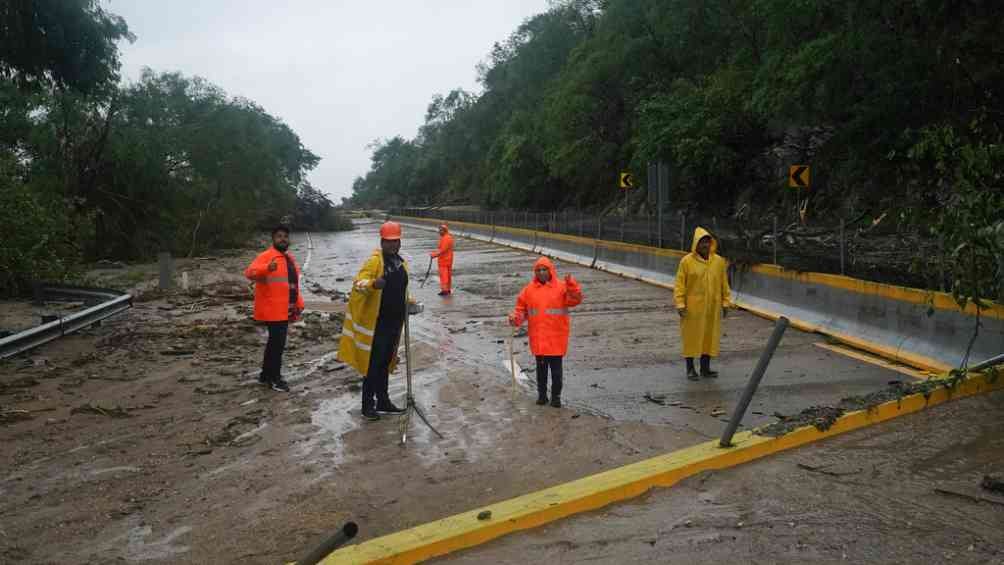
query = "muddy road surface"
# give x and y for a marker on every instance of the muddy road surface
(907, 491)
(148, 439)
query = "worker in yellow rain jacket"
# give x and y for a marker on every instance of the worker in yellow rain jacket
(701, 296)
(372, 328)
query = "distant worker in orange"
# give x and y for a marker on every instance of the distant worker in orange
(545, 303)
(277, 302)
(445, 256)
(701, 295)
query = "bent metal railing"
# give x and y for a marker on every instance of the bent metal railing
(100, 304)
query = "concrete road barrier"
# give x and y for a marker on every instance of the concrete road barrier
(919, 328)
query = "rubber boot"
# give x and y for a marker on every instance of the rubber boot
(691, 373)
(706, 371)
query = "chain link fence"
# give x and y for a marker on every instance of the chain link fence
(861, 248)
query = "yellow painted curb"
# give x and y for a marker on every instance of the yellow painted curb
(465, 530)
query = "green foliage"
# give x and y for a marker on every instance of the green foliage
(41, 241)
(316, 212)
(69, 43)
(716, 88)
(962, 203)
(93, 170)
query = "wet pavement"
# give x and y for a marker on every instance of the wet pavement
(229, 471)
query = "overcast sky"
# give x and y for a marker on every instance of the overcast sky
(341, 73)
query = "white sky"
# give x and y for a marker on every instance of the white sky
(341, 73)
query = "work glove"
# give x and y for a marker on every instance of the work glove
(682, 312)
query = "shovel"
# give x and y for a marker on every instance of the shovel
(511, 363)
(427, 273)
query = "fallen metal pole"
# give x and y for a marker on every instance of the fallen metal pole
(993, 361)
(754, 382)
(348, 531)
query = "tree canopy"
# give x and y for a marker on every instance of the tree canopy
(92, 169)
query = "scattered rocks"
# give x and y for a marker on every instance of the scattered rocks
(993, 483)
(116, 412)
(11, 416)
(486, 515)
(822, 417)
(659, 399)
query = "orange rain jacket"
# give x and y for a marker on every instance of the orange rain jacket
(445, 251)
(271, 289)
(546, 307)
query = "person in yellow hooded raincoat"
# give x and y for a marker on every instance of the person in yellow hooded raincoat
(372, 328)
(701, 295)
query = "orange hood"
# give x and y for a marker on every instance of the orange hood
(545, 262)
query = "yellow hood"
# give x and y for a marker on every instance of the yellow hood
(699, 234)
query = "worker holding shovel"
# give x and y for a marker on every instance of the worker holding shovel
(544, 304)
(445, 260)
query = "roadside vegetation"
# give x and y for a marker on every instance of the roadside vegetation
(91, 168)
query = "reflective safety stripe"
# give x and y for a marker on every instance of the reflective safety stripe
(275, 280)
(360, 329)
(348, 333)
(549, 311)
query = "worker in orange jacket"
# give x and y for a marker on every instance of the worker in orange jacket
(544, 303)
(277, 302)
(445, 263)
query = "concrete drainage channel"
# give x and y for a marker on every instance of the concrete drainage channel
(913, 327)
(99, 305)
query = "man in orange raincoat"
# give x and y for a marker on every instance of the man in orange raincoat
(445, 263)
(701, 295)
(544, 303)
(277, 302)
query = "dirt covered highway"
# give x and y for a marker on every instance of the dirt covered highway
(148, 438)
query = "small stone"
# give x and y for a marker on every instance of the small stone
(688, 523)
(486, 515)
(740, 524)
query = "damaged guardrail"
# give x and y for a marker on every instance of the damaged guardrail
(100, 304)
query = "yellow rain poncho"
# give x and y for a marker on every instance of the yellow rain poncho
(361, 316)
(702, 287)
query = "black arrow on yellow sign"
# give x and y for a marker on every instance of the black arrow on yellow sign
(798, 176)
(627, 180)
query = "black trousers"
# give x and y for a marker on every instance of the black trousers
(545, 364)
(271, 366)
(386, 339)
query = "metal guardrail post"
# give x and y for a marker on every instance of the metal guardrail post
(754, 382)
(166, 270)
(841, 246)
(996, 360)
(774, 239)
(339, 539)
